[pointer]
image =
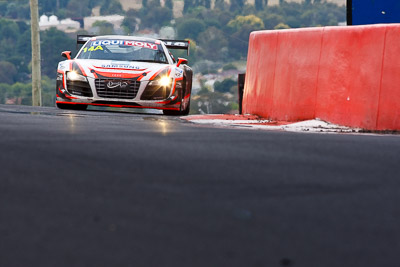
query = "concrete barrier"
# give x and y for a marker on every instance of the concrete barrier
(345, 75)
(389, 100)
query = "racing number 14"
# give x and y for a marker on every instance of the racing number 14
(92, 48)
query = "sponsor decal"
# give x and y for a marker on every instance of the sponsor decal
(178, 72)
(61, 66)
(112, 85)
(124, 42)
(120, 66)
(92, 48)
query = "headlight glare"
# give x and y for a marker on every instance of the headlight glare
(73, 76)
(163, 81)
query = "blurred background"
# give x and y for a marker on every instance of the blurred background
(218, 30)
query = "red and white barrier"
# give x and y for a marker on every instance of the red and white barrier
(345, 75)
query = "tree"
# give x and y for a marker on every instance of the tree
(259, 4)
(251, 20)
(105, 27)
(53, 43)
(156, 17)
(190, 28)
(155, 3)
(224, 86)
(111, 7)
(236, 5)
(215, 39)
(130, 21)
(281, 26)
(220, 4)
(187, 5)
(169, 4)
(7, 72)
(271, 20)
(78, 9)
(241, 27)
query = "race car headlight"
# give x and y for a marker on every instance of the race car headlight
(73, 76)
(164, 81)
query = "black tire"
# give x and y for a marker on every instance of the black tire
(172, 112)
(187, 110)
(178, 112)
(72, 106)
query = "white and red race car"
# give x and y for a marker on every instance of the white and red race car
(125, 71)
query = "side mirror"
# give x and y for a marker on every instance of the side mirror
(66, 54)
(181, 61)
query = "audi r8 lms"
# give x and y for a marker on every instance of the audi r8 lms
(125, 71)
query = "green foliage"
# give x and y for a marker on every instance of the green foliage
(78, 9)
(7, 72)
(169, 4)
(187, 5)
(213, 38)
(21, 93)
(241, 27)
(221, 5)
(17, 93)
(190, 5)
(224, 86)
(303, 14)
(111, 7)
(15, 48)
(259, 4)
(15, 9)
(53, 43)
(144, 4)
(244, 21)
(190, 28)
(229, 66)
(281, 26)
(271, 20)
(237, 5)
(130, 21)
(105, 27)
(48, 89)
(156, 17)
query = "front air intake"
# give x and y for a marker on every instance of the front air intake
(117, 88)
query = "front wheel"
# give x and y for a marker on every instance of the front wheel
(178, 112)
(72, 106)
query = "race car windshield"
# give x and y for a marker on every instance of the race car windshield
(123, 50)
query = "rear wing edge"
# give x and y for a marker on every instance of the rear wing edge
(83, 38)
(177, 44)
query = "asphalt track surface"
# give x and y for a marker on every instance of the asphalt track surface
(95, 188)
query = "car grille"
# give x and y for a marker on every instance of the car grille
(79, 88)
(117, 88)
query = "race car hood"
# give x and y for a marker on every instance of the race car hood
(116, 69)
